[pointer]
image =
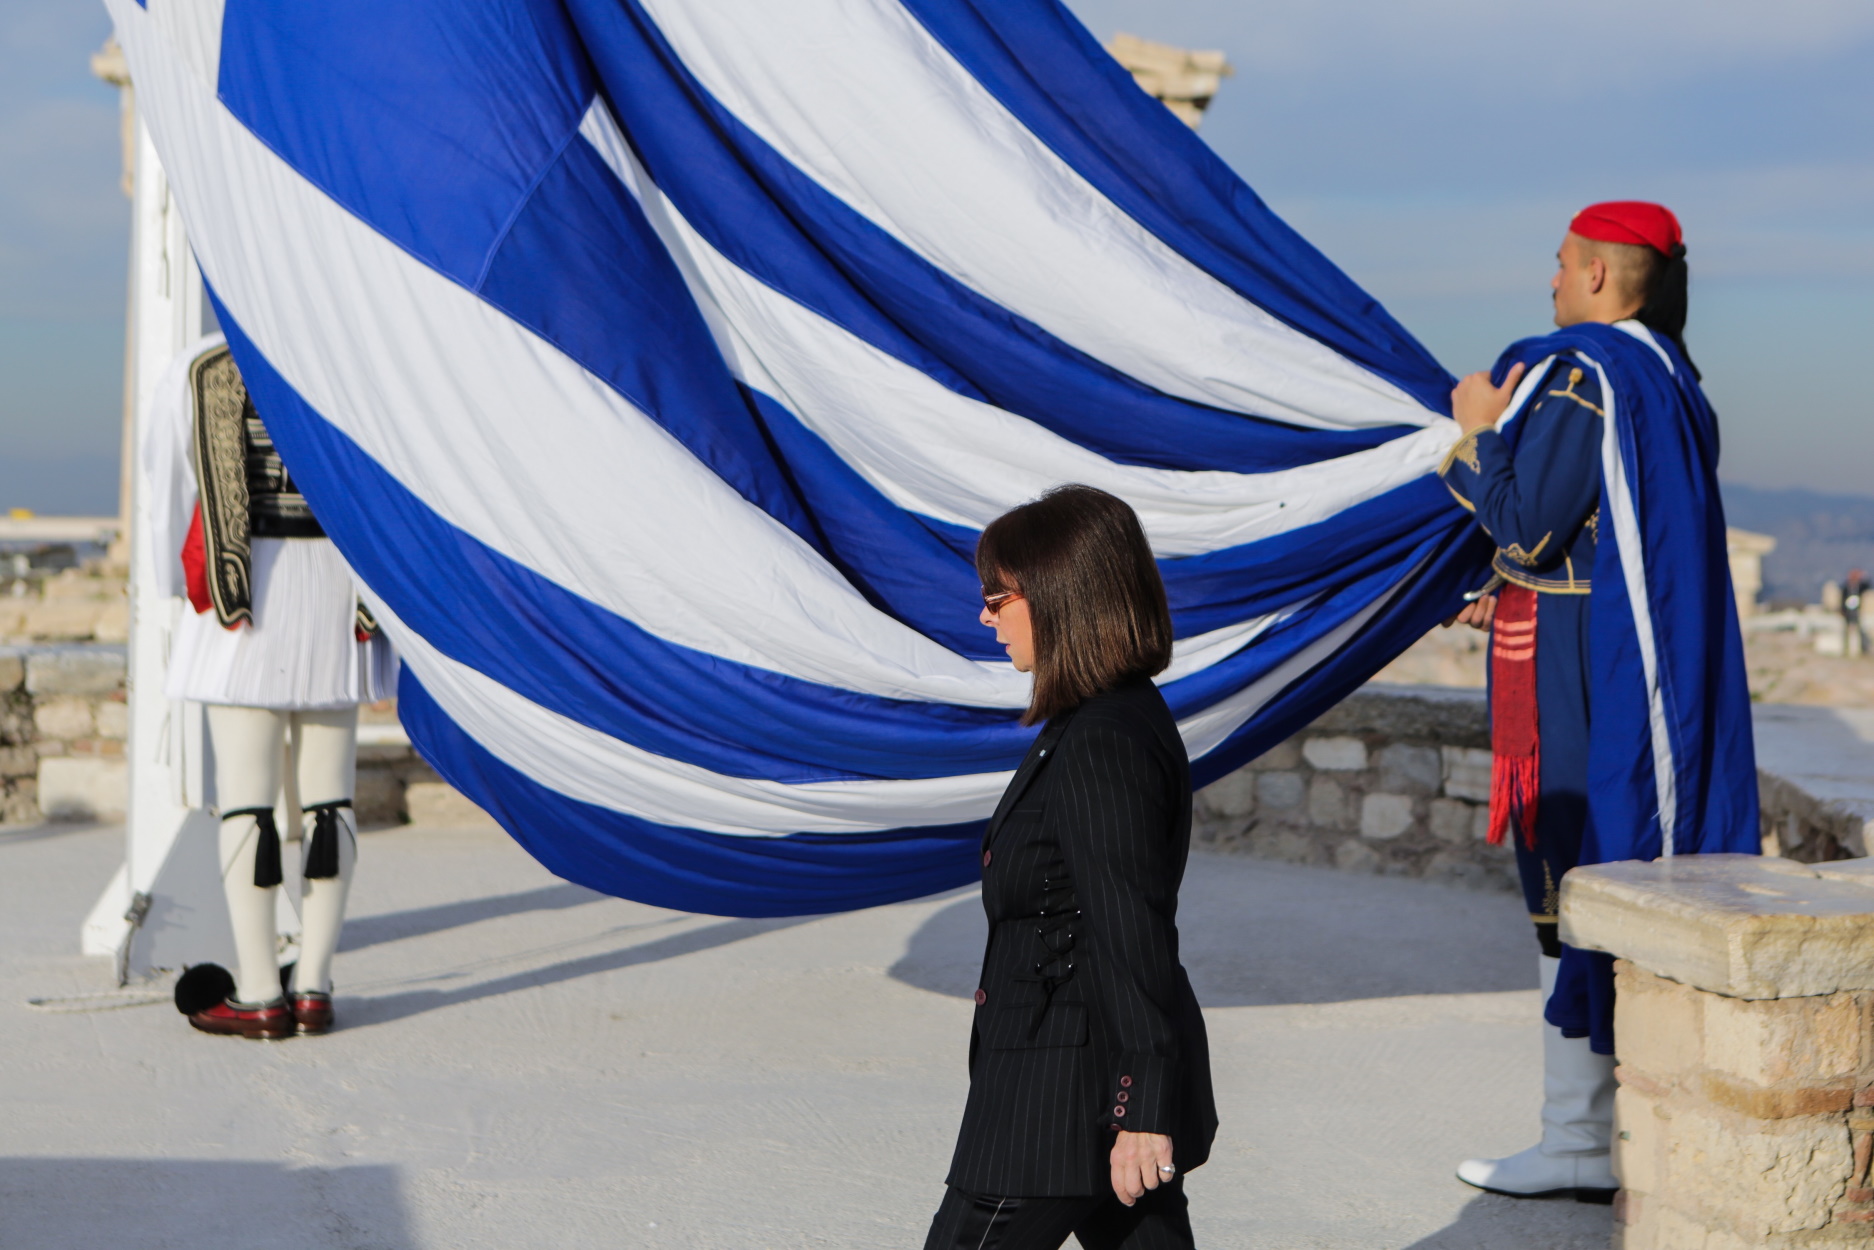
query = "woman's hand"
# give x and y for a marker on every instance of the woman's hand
(1476, 403)
(1140, 1161)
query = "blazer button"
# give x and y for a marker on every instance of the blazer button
(1119, 1112)
(1125, 1082)
(1124, 1096)
(981, 998)
(987, 856)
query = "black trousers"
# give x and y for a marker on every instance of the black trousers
(1158, 1221)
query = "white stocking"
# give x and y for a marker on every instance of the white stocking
(325, 750)
(249, 744)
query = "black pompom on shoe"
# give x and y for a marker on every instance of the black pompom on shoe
(203, 986)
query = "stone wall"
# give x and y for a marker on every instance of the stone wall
(1742, 1123)
(1745, 1024)
(1395, 781)
(72, 605)
(64, 719)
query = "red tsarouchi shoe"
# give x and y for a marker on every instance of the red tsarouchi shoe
(313, 1011)
(268, 1020)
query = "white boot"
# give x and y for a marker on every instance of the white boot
(1577, 1124)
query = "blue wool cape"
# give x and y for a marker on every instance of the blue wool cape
(1671, 764)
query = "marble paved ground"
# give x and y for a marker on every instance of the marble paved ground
(525, 1064)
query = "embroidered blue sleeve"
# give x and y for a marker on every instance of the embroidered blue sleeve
(1533, 494)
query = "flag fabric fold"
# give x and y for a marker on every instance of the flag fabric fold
(656, 363)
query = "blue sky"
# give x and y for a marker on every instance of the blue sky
(63, 225)
(1434, 148)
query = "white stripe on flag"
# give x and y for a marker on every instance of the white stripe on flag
(944, 455)
(906, 137)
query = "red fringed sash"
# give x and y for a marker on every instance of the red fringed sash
(1515, 746)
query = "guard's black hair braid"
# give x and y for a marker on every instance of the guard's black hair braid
(1666, 302)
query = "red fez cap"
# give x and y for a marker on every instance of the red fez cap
(1629, 221)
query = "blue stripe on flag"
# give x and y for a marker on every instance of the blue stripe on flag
(689, 869)
(430, 122)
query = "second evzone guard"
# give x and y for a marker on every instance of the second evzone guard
(281, 651)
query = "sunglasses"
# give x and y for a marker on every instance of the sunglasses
(992, 604)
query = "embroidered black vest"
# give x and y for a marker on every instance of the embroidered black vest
(246, 490)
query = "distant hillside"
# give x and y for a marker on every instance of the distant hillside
(1818, 537)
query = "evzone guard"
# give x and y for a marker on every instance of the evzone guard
(281, 651)
(1602, 749)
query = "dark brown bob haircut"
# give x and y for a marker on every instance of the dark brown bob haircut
(1079, 557)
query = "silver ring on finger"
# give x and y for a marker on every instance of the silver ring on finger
(1167, 1169)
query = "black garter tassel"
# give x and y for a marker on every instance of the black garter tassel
(322, 854)
(267, 873)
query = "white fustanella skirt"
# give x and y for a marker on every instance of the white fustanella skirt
(300, 653)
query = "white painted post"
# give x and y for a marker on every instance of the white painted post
(168, 310)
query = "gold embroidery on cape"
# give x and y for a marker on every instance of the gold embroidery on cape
(1526, 558)
(1463, 452)
(219, 452)
(1575, 378)
(1509, 572)
(1593, 525)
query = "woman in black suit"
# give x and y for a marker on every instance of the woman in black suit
(1089, 1072)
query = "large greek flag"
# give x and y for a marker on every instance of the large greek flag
(657, 363)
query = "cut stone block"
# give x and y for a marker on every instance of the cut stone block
(1407, 769)
(1660, 1024)
(1467, 773)
(1451, 820)
(12, 668)
(1279, 790)
(1738, 925)
(1637, 1125)
(1233, 795)
(1327, 804)
(1782, 1177)
(53, 619)
(113, 623)
(83, 787)
(1356, 856)
(1818, 1039)
(1335, 754)
(90, 670)
(1281, 755)
(1480, 823)
(64, 717)
(113, 718)
(1385, 815)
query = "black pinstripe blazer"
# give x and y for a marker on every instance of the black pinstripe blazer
(1085, 1021)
